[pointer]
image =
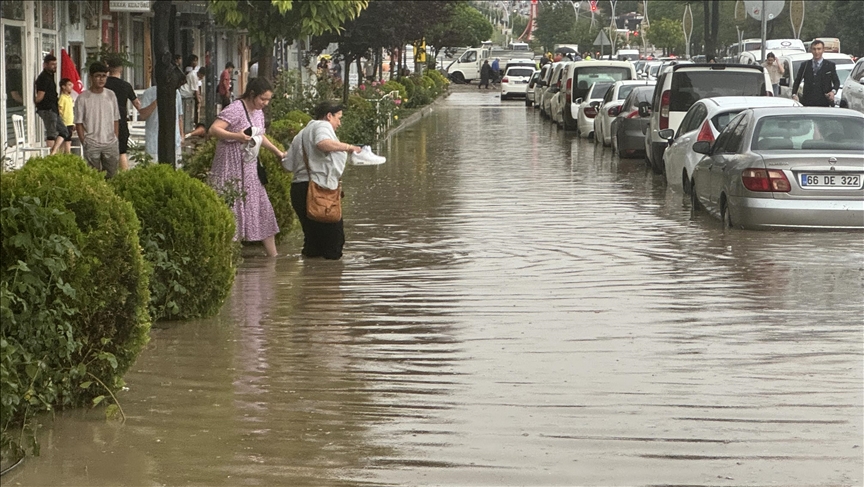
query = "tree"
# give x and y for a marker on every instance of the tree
(555, 22)
(267, 20)
(464, 25)
(847, 21)
(667, 34)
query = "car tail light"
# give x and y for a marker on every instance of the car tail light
(664, 109)
(611, 111)
(568, 93)
(765, 180)
(505, 80)
(590, 112)
(705, 133)
(769, 93)
(633, 114)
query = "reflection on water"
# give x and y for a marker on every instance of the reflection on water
(515, 306)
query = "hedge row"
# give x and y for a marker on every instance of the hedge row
(85, 265)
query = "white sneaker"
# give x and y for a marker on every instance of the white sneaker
(366, 157)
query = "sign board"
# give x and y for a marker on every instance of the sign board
(129, 5)
(772, 8)
(602, 39)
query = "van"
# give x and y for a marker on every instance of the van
(518, 46)
(579, 77)
(552, 86)
(627, 55)
(682, 85)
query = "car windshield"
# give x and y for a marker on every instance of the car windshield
(585, 76)
(842, 74)
(599, 90)
(689, 86)
(809, 132)
(520, 72)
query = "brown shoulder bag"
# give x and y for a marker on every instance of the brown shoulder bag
(322, 204)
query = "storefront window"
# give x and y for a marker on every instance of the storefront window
(48, 46)
(13, 10)
(12, 77)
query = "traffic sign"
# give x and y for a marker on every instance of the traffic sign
(772, 8)
(602, 39)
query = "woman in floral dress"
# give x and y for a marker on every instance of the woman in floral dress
(256, 220)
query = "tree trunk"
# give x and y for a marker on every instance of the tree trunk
(361, 73)
(706, 11)
(265, 63)
(169, 78)
(345, 77)
(715, 25)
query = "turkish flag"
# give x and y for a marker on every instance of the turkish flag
(67, 70)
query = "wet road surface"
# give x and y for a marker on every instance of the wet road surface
(515, 307)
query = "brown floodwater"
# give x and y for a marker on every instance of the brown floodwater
(515, 307)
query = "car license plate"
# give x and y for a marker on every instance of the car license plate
(831, 180)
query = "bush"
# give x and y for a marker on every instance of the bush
(188, 238)
(73, 291)
(359, 122)
(285, 129)
(440, 81)
(198, 166)
(395, 86)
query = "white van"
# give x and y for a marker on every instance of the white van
(627, 55)
(579, 77)
(466, 68)
(682, 85)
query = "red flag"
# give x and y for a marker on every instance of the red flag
(67, 70)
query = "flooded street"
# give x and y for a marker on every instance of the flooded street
(515, 307)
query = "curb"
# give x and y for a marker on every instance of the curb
(414, 118)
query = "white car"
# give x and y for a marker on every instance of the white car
(579, 77)
(853, 88)
(843, 72)
(682, 85)
(587, 110)
(610, 106)
(704, 121)
(552, 88)
(515, 81)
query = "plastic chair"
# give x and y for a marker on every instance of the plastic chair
(21, 146)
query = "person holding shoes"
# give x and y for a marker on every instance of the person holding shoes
(819, 77)
(327, 157)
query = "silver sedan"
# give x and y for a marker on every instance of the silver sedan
(784, 167)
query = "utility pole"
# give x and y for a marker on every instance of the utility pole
(168, 77)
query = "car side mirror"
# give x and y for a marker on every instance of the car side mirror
(644, 109)
(594, 104)
(577, 101)
(702, 147)
(614, 111)
(784, 81)
(667, 134)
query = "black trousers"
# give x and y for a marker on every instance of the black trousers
(319, 239)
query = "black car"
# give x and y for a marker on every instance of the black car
(628, 128)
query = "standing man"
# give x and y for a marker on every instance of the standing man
(820, 79)
(97, 121)
(224, 89)
(123, 91)
(150, 113)
(496, 71)
(485, 74)
(46, 105)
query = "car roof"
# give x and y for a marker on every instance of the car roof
(604, 62)
(521, 60)
(749, 101)
(834, 112)
(806, 55)
(524, 66)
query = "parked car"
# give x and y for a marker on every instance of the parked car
(553, 87)
(792, 63)
(531, 89)
(843, 72)
(703, 122)
(515, 81)
(588, 109)
(784, 167)
(628, 128)
(610, 106)
(578, 78)
(682, 85)
(853, 88)
(542, 84)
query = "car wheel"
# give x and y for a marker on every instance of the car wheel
(725, 214)
(458, 78)
(528, 102)
(657, 161)
(615, 145)
(694, 199)
(685, 182)
(569, 122)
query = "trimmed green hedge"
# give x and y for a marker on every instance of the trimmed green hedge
(73, 291)
(187, 234)
(278, 187)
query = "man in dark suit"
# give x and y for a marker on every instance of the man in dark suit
(820, 79)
